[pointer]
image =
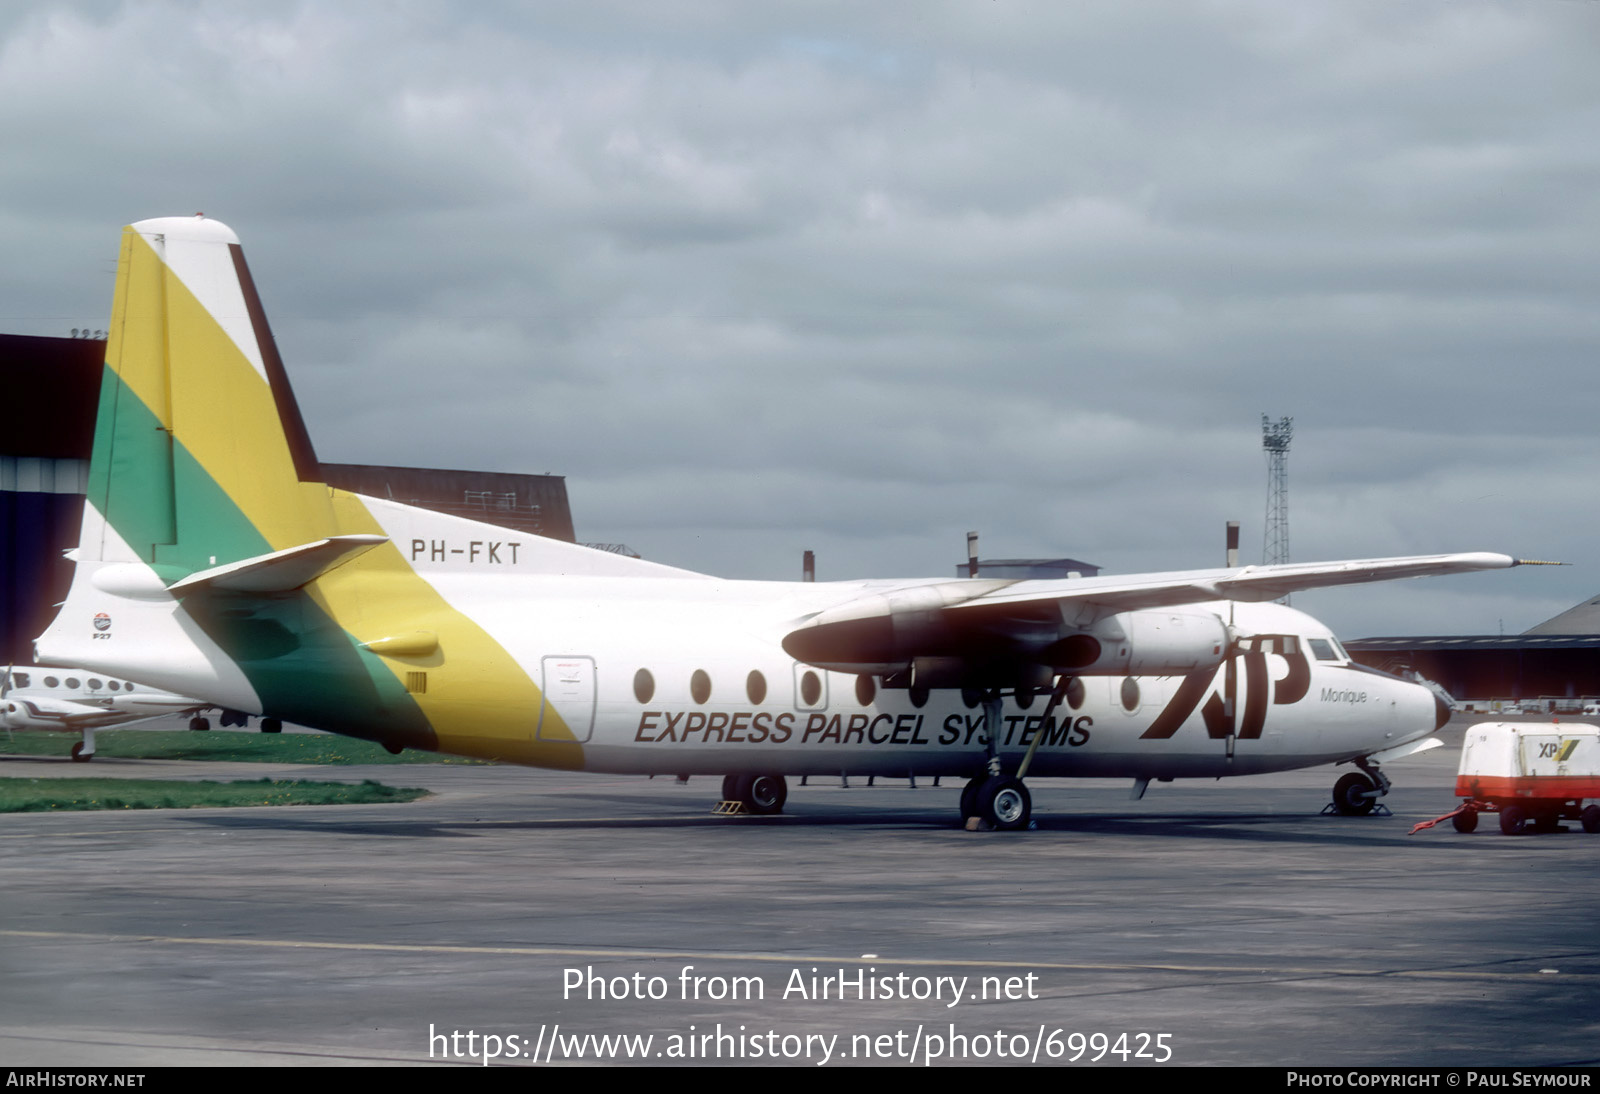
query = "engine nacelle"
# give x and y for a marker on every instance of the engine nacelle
(21, 714)
(1171, 642)
(923, 633)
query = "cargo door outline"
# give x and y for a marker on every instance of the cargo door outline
(568, 685)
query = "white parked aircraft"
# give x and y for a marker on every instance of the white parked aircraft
(39, 697)
(216, 562)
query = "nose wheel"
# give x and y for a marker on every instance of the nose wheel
(1354, 795)
(1357, 794)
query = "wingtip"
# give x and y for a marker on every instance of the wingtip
(1536, 562)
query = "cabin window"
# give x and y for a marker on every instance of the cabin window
(74, 683)
(95, 685)
(700, 686)
(1076, 693)
(51, 682)
(1322, 649)
(1130, 694)
(114, 686)
(644, 685)
(810, 689)
(20, 680)
(755, 686)
(866, 688)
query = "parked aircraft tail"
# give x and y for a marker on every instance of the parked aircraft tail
(214, 560)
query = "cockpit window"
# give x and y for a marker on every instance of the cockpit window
(1324, 649)
(19, 679)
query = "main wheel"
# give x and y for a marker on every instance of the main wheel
(1590, 819)
(1513, 820)
(1466, 821)
(1352, 795)
(730, 788)
(79, 756)
(1004, 801)
(762, 795)
(271, 725)
(969, 797)
(199, 724)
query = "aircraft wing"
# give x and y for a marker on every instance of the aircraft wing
(971, 622)
(1091, 597)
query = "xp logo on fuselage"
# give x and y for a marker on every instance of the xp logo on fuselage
(102, 622)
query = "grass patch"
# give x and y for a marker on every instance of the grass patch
(62, 795)
(280, 748)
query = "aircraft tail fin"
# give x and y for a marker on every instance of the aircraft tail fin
(201, 456)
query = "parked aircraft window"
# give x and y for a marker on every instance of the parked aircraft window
(127, 687)
(1339, 650)
(755, 686)
(1075, 692)
(51, 682)
(971, 697)
(74, 682)
(700, 686)
(95, 685)
(1322, 649)
(644, 685)
(1130, 694)
(20, 680)
(114, 686)
(866, 688)
(810, 689)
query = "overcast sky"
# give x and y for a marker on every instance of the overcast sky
(858, 278)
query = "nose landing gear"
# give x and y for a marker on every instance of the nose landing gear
(1357, 794)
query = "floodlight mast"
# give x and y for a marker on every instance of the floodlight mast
(1275, 438)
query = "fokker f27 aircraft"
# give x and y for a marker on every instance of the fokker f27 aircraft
(40, 697)
(215, 561)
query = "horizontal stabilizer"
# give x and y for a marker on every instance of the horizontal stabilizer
(281, 571)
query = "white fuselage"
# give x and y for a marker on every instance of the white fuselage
(71, 700)
(586, 641)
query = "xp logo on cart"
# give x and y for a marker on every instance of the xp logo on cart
(1561, 751)
(102, 624)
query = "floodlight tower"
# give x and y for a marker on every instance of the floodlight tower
(1275, 438)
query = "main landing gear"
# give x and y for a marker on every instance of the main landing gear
(762, 795)
(83, 751)
(1357, 794)
(995, 799)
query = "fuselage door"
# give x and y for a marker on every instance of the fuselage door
(569, 687)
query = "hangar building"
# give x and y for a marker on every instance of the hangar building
(1554, 666)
